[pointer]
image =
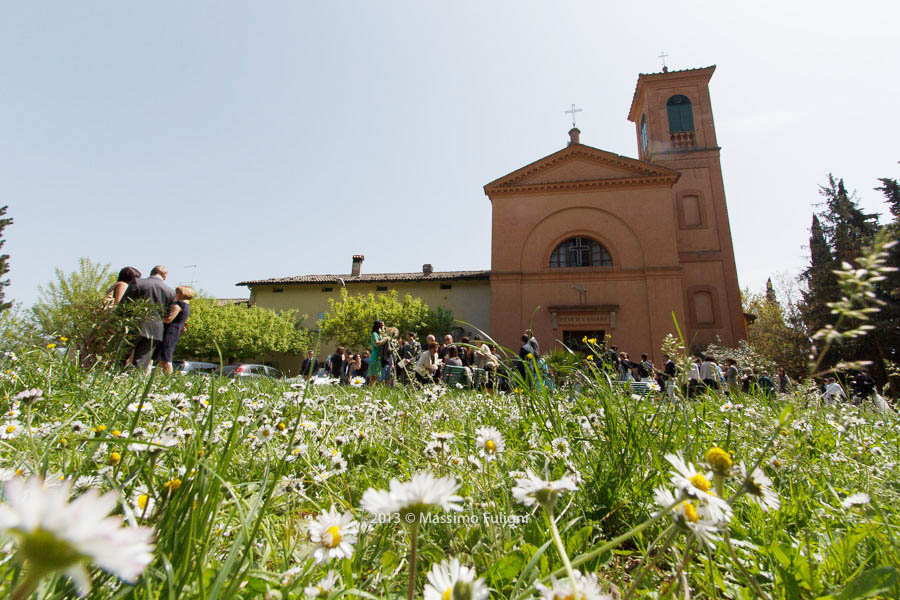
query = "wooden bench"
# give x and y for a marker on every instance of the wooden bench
(453, 375)
(479, 377)
(641, 388)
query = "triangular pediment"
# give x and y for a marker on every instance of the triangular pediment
(579, 166)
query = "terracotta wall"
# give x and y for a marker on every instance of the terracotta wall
(637, 225)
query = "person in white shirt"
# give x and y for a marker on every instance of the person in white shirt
(481, 353)
(833, 391)
(427, 364)
(708, 373)
(695, 383)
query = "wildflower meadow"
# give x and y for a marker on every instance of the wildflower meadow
(120, 486)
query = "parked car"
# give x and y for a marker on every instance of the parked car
(192, 366)
(245, 370)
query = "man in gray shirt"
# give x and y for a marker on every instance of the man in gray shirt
(155, 290)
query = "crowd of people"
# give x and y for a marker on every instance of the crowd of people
(706, 374)
(392, 357)
(160, 331)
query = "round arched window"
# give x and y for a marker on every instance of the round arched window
(580, 252)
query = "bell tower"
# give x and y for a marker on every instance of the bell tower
(673, 118)
(672, 114)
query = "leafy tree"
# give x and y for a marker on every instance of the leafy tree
(777, 334)
(60, 302)
(4, 260)
(71, 311)
(349, 319)
(241, 332)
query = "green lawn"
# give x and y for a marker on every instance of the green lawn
(231, 473)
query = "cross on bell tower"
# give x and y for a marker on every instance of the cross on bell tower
(572, 111)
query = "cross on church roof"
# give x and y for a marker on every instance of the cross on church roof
(663, 56)
(573, 111)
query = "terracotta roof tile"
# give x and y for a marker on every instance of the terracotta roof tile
(655, 75)
(372, 278)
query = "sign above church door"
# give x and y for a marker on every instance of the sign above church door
(585, 316)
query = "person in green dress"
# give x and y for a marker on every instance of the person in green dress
(376, 341)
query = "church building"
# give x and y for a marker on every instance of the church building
(585, 242)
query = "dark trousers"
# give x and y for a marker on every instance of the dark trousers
(143, 351)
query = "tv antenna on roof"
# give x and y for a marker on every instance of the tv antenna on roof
(193, 274)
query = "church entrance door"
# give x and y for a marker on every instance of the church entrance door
(574, 340)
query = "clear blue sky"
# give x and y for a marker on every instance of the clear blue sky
(260, 139)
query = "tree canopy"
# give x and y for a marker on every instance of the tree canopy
(349, 319)
(61, 302)
(4, 260)
(841, 233)
(241, 332)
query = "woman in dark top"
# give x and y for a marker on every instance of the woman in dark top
(179, 311)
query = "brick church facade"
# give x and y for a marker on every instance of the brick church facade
(586, 242)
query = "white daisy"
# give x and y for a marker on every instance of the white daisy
(490, 443)
(857, 499)
(416, 496)
(78, 532)
(560, 447)
(10, 430)
(358, 381)
(695, 484)
(288, 577)
(532, 488)
(28, 396)
(432, 449)
(157, 444)
(689, 515)
(586, 588)
(265, 433)
(144, 407)
(323, 587)
(142, 502)
(449, 580)
(759, 487)
(333, 535)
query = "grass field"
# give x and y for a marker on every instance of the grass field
(245, 483)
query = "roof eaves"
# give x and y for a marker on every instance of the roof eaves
(369, 278)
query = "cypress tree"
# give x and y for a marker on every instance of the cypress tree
(891, 190)
(821, 282)
(770, 292)
(844, 224)
(4, 260)
(886, 337)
